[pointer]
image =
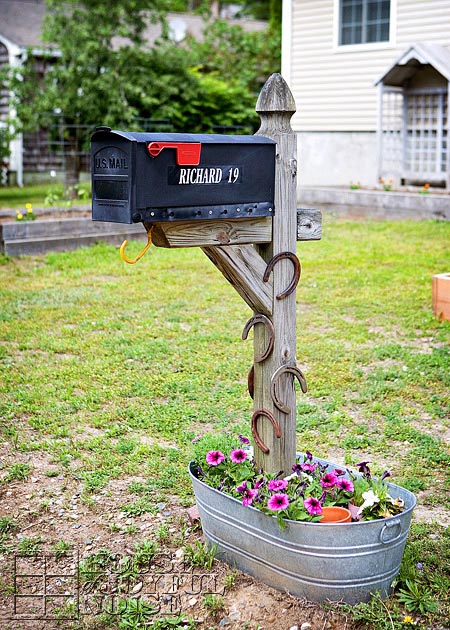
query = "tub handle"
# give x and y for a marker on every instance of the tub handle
(386, 527)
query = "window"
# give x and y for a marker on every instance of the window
(364, 21)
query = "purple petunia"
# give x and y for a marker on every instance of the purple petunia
(338, 472)
(243, 439)
(248, 497)
(214, 458)
(260, 482)
(238, 456)
(242, 488)
(278, 502)
(277, 484)
(364, 469)
(345, 484)
(312, 506)
(328, 481)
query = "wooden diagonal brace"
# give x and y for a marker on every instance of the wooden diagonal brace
(244, 268)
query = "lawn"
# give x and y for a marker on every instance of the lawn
(108, 371)
(40, 195)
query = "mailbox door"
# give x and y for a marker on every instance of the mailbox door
(112, 167)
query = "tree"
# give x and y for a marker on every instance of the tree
(269, 10)
(88, 73)
(176, 90)
(99, 70)
(244, 59)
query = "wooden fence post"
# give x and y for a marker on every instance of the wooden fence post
(272, 382)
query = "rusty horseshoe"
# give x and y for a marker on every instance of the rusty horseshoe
(276, 427)
(259, 318)
(251, 382)
(291, 369)
(297, 271)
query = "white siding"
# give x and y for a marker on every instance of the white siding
(334, 87)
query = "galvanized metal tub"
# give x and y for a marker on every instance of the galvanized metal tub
(318, 561)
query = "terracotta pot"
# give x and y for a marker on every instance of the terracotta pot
(335, 514)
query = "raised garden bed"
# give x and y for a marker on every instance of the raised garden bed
(60, 231)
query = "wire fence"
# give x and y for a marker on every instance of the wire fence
(50, 149)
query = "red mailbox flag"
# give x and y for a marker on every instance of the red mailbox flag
(187, 153)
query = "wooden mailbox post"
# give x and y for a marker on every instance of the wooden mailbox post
(274, 417)
(258, 257)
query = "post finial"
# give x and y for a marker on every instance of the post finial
(275, 96)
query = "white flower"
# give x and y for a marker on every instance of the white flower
(370, 498)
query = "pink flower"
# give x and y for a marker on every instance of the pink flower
(277, 484)
(278, 502)
(312, 506)
(248, 497)
(238, 455)
(338, 472)
(308, 467)
(214, 458)
(328, 481)
(345, 484)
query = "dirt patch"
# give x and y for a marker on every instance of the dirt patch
(438, 515)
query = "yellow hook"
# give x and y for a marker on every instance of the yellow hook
(139, 256)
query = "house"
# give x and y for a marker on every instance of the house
(371, 83)
(20, 31)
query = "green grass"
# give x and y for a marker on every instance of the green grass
(16, 197)
(108, 368)
(155, 348)
(39, 195)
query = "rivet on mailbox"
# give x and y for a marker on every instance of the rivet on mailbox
(155, 178)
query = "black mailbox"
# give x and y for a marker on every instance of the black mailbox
(156, 177)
